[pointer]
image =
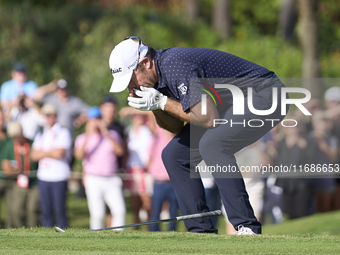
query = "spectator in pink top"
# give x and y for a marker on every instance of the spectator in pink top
(162, 188)
(99, 148)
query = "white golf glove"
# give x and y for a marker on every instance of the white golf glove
(150, 99)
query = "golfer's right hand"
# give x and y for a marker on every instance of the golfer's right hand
(149, 99)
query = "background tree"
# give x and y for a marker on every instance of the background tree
(221, 18)
(192, 10)
(287, 19)
(309, 41)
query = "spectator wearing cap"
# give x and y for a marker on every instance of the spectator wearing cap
(23, 203)
(18, 85)
(98, 148)
(52, 148)
(108, 109)
(71, 109)
(332, 101)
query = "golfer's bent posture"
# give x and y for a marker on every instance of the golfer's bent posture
(170, 82)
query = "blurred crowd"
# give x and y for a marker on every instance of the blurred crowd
(39, 145)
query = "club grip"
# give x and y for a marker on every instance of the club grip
(199, 215)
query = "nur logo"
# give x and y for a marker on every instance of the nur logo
(239, 99)
(204, 98)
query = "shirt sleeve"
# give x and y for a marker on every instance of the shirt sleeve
(4, 92)
(185, 83)
(9, 151)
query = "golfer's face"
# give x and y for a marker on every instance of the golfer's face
(140, 77)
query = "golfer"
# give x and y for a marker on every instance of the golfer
(171, 83)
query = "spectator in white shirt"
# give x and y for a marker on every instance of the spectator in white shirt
(52, 148)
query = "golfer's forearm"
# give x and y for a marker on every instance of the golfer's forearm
(193, 115)
(168, 122)
(175, 109)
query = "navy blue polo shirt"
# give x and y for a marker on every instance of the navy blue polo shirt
(178, 67)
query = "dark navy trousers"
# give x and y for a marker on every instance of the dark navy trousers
(53, 203)
(217, 146)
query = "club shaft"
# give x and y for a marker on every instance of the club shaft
(184, 217)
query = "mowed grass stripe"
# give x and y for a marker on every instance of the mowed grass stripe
(76, 241)
(322, 223)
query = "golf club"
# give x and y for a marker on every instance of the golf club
(184, 217)
(57, 229)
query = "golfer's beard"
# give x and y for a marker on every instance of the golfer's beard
(150, 82)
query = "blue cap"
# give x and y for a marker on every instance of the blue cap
(109, 99)
(94, 112)
(19, 67)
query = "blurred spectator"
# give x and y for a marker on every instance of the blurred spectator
(332, 99)
(28, 115)
(298, 193)
(99, 147)
(52, 148)
(213, 197)
(162, 188)
(19, 84)
(17, 165)
(138, 144)
(10, 90)
(327, 153)
(71, 110)
(314, 105)
(5, 183)
(108, 109)
(272, 201)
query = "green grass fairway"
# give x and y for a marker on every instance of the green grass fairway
(321, 224)
(82, 241)
(317, 234)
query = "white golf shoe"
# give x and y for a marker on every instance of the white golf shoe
(241, 230)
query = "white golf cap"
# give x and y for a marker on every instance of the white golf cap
(123, 60)
(332, 94)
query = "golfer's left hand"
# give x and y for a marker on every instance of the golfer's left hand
(149, 99)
